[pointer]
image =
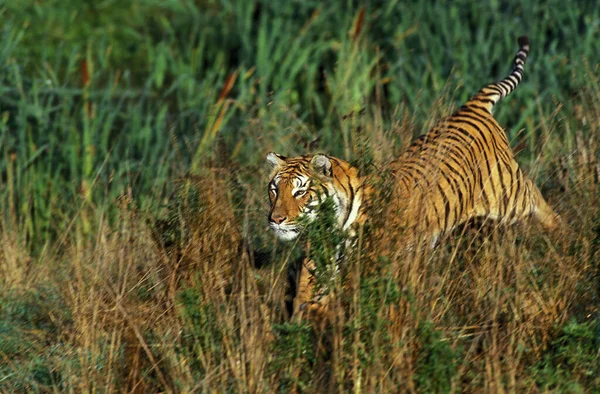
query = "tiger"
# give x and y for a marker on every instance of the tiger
(462, 168)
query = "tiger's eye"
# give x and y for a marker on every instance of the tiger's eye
(299, 193)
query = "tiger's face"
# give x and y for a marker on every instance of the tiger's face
(295, 191)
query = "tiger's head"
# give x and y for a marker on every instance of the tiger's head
(297, 186)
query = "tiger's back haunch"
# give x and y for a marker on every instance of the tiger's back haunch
(460, 169)
(464, 168)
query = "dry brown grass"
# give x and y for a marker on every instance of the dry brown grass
(193, 313)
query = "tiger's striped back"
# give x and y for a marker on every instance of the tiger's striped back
(464, 168)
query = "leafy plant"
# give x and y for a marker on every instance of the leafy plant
(572, 361)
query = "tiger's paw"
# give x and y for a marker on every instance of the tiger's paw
(315, 310)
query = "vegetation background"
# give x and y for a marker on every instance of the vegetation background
(134, 250)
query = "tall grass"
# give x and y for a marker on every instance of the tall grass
(134, 251)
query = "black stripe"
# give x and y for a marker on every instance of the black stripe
(409, 174)
(465, 177)
(509, 190)
(500, 151)
(426, 221)
(417, 167)
(510, 83)
(437, 214)
(340, 183)
(484, 195)
(488, 94)
(483, 112)
(517, 191)
(475, 126)
(349, 207)
(403, 180)
(497, 131)
(446, 206)
(500, 197)
(469, 112)
(445, 174)
(455, 185)
(481, 133)
(471, 104)
(476, 140)
(489, 179)
(456, 154)
(526, 199)
(501, 85)
(492, 148)
(495, 88)
(516, 77)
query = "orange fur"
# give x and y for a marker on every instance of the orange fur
(461, 169)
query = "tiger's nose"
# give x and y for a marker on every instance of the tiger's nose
(277, 219)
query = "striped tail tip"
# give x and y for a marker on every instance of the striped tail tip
(523, 42)
(491, 94)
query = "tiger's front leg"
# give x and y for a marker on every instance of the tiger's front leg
(307, 304)
(304, 285)
(317, 306)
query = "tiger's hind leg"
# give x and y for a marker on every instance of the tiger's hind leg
(519, 202)
(542, 212)
(531, 202)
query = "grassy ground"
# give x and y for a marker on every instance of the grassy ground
(134, 251)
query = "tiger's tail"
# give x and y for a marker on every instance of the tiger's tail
(488, 96)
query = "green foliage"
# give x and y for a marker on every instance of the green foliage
(166, 87)
(203, 336)
(31, 350)
(326, 241)
(572, 361)
(377, 294)
(180, 211)
(436, 361)
(293, 355)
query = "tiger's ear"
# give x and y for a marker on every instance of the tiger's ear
(321, 164)
(275, 160)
